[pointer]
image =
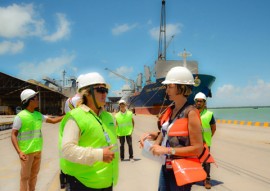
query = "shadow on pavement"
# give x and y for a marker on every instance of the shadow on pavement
(213, 182)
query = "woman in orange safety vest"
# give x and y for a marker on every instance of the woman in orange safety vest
(178, 82)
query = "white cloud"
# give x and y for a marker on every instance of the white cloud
(19, 21)
(118, 30)
(256, 94)
(22, 21)
(62, 31)
(171, 29)
(49, 67)
(11, 47)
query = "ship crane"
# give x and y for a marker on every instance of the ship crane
(132, 82)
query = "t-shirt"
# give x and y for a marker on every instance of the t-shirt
(72, 101)
(17, 123)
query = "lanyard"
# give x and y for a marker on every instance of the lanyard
(108, 140)
(178, 112)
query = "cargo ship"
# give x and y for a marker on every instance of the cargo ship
(151, 99)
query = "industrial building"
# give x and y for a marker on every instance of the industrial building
(51, 102)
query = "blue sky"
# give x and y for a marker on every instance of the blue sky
(229, 38)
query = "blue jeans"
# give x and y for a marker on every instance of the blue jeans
(167, 181)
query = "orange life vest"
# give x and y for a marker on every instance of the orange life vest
(180, 129)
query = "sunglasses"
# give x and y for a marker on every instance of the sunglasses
(101, 90)
(199, 101)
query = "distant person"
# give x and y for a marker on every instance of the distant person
(189, 142)
(209, 129)
(70, 104)
(27, 138)
(87, 140)
(125, 126)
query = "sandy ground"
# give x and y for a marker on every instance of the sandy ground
(242, 154)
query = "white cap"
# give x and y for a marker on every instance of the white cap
(27, 94)
(122, 101)
(200, 95)
(179, 75)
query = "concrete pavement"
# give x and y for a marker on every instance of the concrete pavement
(242, 154)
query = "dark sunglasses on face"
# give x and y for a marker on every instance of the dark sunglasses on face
(199, 101)
(34, 98)
(102, 90)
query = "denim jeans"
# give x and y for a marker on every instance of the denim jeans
(122, 146)
(167, 181)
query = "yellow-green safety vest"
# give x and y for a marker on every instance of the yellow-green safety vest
(206, 117)
(30, 135)
(124, 121)
(100, 174)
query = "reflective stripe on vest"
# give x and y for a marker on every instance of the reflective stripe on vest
(30, 135)
(206, 117)
(124, 121)
(22, 136)
(100, 174)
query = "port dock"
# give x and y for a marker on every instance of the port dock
(241, 153)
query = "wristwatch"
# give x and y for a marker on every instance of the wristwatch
(172, 151)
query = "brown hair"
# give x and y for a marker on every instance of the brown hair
(186, 90)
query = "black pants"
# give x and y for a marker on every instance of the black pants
(122, 146)
(62, 179)
(73, 184)
(206, 167)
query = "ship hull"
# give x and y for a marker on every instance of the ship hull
(151, 100)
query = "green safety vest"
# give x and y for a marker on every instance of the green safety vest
(100, 174)
(206, 117)
(29, 135)
(124, 121)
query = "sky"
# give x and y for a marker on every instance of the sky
(230, 39)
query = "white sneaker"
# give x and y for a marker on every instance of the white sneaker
(132, 160)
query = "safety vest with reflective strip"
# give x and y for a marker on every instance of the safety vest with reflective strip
(100, 174)
(124, 121)
(29, 135)
(206, 117)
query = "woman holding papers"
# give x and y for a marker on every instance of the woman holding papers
(181, 135)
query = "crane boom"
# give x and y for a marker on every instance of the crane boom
(123, 77)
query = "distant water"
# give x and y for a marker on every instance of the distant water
(260, 114)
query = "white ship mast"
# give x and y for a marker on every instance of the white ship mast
(184, 55)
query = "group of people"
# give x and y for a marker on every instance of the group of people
(87, 137)
(89, 155)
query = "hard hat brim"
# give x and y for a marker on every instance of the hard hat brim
(175, 82)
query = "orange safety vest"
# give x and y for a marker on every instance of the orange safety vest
(180, 128)
(186, 170)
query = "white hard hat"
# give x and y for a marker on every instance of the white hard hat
(79, 77)
(122, 101)
(200, 95)
(78, 80)
(91, 79)
(27, 94)
(179, 75)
